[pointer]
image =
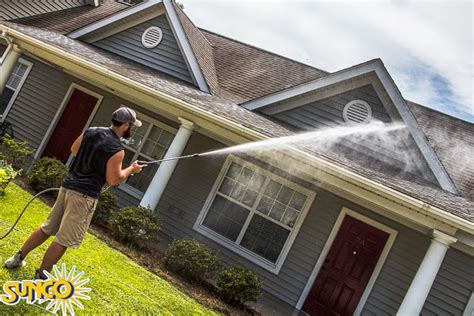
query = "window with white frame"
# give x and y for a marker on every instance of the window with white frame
(148, 142)
(255, 211)
(13, 86)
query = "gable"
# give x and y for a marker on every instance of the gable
(166, 57)
(395, 153)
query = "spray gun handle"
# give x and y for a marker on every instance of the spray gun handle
(142, 162)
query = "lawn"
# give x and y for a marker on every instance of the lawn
(119, 285)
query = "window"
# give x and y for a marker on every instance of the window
(13, 86)
(254, 212)
(148, 142)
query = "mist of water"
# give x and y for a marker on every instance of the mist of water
(319, 138)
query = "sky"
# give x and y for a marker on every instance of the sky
(427, 46)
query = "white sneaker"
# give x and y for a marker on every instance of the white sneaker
(15, 261)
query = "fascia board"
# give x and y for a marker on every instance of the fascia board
(185, 46)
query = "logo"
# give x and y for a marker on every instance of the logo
(62, 291)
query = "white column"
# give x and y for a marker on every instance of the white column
(165, 170)
(426, 274)
(6, 68)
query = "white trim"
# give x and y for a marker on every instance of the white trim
(29, 65)
(469, 310)
(104, 22)
(374, 66)
(97, 36)
(247, 254)
(388, 245)
(186, 49)
(60, 111)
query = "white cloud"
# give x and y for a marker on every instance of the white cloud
(416, 40)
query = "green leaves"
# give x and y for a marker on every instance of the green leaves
(7, 173)
(191, 259)
(136, 225)
(238, 284)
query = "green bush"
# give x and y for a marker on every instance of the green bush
(14, 151)
(47, 173)
(7, 173)
(191, 259)
(106, 208)
(238, 284)
(136, 225)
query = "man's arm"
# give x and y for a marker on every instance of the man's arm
(114, 174)
(76, 145)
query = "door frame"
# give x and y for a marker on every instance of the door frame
(73, 86)
(388, 245)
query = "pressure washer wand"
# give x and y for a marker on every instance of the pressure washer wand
(142, 162)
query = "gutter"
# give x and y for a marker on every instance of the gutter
(249, 134)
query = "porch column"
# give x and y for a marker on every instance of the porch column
(426, 274)
(8, 64)
(165, 170)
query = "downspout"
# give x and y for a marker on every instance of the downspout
(246, 133)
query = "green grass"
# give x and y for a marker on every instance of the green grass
(119, 285)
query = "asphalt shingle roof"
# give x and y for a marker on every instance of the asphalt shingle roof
(69, 20)
(227, 107)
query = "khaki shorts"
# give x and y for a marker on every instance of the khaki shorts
(70, 217)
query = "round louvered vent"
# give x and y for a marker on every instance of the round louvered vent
(152, 37)
(357, 111)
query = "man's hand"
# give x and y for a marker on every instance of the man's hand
(137, 168)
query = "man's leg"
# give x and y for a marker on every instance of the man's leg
(52, 256)
(36, 238)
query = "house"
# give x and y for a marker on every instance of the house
(354, 228)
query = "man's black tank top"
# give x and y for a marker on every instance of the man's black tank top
(87, 172)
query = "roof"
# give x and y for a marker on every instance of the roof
(227, 107)
(68, 20)
(453, 141)
(249, 72)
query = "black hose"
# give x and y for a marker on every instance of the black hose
(24, 209)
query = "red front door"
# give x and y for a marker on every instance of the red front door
(70, 125)
(346, 270)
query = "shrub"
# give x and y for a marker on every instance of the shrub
(47, 173)
(106, 208)
(238, 284)
(136, 225)
(191, 259)
(7, 173)
(14, 151)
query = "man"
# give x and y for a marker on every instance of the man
(98, 159)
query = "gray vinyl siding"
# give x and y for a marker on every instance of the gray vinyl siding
(189, 188)
(166, 57)
(328, 113)
(37, 102)
(453, 285)
(10, 10)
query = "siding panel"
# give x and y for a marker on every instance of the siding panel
(166, 57)
(453, 285)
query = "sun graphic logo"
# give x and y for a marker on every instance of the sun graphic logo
(62, 291)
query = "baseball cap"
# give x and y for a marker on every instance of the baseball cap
(126, 115)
